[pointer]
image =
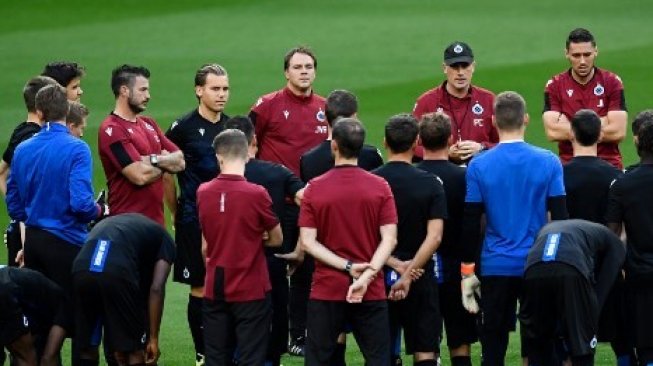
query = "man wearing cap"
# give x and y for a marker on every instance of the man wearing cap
(585, 86)
(468, 106)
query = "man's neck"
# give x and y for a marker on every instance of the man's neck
(343, 161)
(582, 80)
(511, 135)
(458, 93)
(208, 114)
(580, 150)
(441, 154)
(123, 111)
(404, 157)
(236, 167)
(33, 118)
(299, 92)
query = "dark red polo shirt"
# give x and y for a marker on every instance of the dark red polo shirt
(471, 116)
(604, 93)
(234, 214)
(347, 205)
(288, 125)
(121, 143)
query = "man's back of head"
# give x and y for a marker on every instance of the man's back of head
(32, 87)
(52, 103)
(586, 127)
(645, 139)
(243, 124)
(401, 133)
(231, 145)
(435, 131)
(509, 111)
(349, 136)
(340, 104)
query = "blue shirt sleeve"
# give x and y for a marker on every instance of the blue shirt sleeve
(557, 183)
(473, 184)
(15, 203)
(82, 202)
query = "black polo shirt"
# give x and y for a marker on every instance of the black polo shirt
(194, 135)
(631, 202)
(419, 197)
(319, 160)
(21, 133)
(587, 183)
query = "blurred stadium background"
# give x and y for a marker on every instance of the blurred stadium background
(387, 52)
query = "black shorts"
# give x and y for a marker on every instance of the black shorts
(13, 323)
(14, 243)
(460, 325)
(368, 319)
(559, 302)
(640, 309)
(244, 325)
(613, 320)
(116, 304)
(419, 316)
(189, 265)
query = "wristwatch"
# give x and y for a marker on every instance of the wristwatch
(348, 266)
(154, 160)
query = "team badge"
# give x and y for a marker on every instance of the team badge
(477, 109)
(478, 122)
(25, 321)
(174, 124)
(599, 90)
(149, 127)
(286, 113)
(143, 338)
(593, 343)
(201, 131)
(109, 131)
(186, 273)
(458, 49)
(570, 92)
(320, 115)
(130, 130)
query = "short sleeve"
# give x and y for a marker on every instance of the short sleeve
(259, 116)
(306, 210)
(268, 219)
(551, 97)
(167, 249)
(166, 144)
(420, 108)
(116, 144)
(388, 214)
(438, 208)
(292, 184)
(473, 194)
(557, 183)
(174, 133)
(615, 210)
(616, 98)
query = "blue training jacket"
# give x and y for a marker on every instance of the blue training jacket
(49, 186)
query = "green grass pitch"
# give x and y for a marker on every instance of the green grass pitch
(387, 52)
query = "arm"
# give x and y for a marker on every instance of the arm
(614, 126)
(82, 202)
(142, 173)
(172, 162)
(275, 237)
(4, 173)
(155, 309)
(299, 196)
(557, 206)
(15, 204)
(309, 243)
(205, 246)
(556, 126)
(170, 194)
(612, 252)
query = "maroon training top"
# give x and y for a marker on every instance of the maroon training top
(347, 206)
(234, 214)
(121, 143)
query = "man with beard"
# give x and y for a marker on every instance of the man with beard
(134, 151)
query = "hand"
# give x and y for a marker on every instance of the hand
(357, 291)
(266, 236)
(357, 269)
(468, 148)
(470, 285)
(294, 259)
(152, 352)
(20, 258)
(416, 273)
(399, 290)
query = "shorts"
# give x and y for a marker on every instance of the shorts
(106, 300)
(613, 320)
(189, 265)
(640, 298)
(419, 316)
(14, 242)
(13, 323)
(368, 319)
(460, 325)
(559, 302)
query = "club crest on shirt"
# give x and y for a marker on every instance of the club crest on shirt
(599, 90)
(477, 109)
(109, 131)
(149, 127)
(320, 115)
(570, 92)
(201, 130)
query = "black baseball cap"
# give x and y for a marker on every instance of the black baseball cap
(458, 52)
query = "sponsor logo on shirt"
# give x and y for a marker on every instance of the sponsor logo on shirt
(109, 131)
(320, 115)
(599, 90)
(570, 92)
(286, 113)
(201, 130)
(477, 109)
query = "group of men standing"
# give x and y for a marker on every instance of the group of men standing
(293, 184)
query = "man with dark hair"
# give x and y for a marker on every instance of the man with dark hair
(421, 209)
(629, 204)
(568, 274)
(288, 123)
(50, 189)
(29, 303)
(235, 216)
(585, 86)
(120, 276)
(348, 223)
(68, 75)
(460, 325)
(134, 151)
(280, 183)
(468, 106)
(22, 132)
(76, 119)
(516, 185)
(193, 134)
(635, 126)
